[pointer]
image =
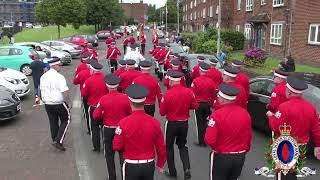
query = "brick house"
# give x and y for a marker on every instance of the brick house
(137, 11)
(280, 27)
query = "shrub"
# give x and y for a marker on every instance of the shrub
(209, 47)
(233, 38)
(188, 38)
(254, 56)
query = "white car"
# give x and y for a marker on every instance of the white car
(15, 81)
(70, 48)
(64, 56)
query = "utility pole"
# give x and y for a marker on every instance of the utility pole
(166, 19)
(178, 18)
(219, 28)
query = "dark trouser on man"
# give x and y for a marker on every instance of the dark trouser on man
(95, 130)
(226, 166)
(143, 48)
(86, 113)
(161, 73)
(108, 134)
(124, 49)
(114, 65)
(202, 114)
(55, 113)
(154, 46)
(177, 131)
(150, 109)
(138, 171)
(289, 176)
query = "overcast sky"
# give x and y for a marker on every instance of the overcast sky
(158, 3)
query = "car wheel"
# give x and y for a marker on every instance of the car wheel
(26, 69)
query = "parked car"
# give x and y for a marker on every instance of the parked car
(15, 81)
(18, 58)
(118, 31)
(72, 49)
(77, 40)
(260, 94)
(116, 36)
(104, 34)
(64, 56)
(28, 25)
(37, 26)
(93, 39)
(10, 105)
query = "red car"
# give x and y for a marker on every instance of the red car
(76, 39)
(104, 34)
(116, 36)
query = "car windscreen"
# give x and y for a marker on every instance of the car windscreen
(47, 47)
(176, 49)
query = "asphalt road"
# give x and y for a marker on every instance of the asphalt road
(26, 153)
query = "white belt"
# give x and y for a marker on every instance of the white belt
(109, 126)
(138, 161)
(239, 152)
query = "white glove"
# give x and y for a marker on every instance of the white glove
(269, 113)
(317, 152)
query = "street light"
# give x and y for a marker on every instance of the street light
(219, 28)
(178, 18)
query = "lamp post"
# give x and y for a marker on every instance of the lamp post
(178, 18)
(166, 20)
(219, 28)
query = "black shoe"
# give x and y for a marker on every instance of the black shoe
(169, 175)
(96, 150)
(187, 174)
(58, 146)
(200, 144)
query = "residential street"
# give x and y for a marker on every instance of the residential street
(26, 152)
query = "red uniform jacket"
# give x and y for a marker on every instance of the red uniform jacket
(155, 51)
(155, 39)
(113, 53)
(139, 135)
(303, 118)
(204, 89)
(126, 41)
(195, 72)
(94, 88)
(109, 40)
(81, 77)
(158, 54)
(215, 75)
(278, 97)
(120, 71)
(80, 67)
(153, 86)
(112, 108)
(127, 78)
(229, 130)
(241, 99)
(165, 57)
(143, 39)
(177, 102)
(243, 80)
(132, 40)
(166, 81)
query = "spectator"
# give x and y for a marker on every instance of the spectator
(46, 60)
(222, 58)
(38, 48)
(10, 36)
(1, 35)
(38, 68)
(288, 65)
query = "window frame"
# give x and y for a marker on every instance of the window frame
(246, 32)
(204, 13)
(277, 5)
(238, 5)
(238, 28)
(317, 34)
(263, 2)
(249, 7)
(276, 38)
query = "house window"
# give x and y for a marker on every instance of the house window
(314, 34)
(195, 3)
(249, 5)
(204, 13)
(191, 16)
(238, 28)
(191, 4)
(204, 1)
(247, 31)
(276, 34)
(277, 3)
(238, 4)
(211, 11)
(195, 15)
(263, 2)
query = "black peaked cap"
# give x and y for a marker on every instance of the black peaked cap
(122, 62)
(137, 91)
(112, 79)
(145, 63)
(175, 74)
(131, 62)
(296, 83)
(176, 62)
(96, 65)
(229, 89)
(231, 70)
(204, 66)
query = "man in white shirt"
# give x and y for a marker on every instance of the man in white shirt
(134, 54)
(55, 95)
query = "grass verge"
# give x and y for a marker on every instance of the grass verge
(50, 33)
(271, 64)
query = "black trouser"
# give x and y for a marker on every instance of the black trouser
(202, 114)
(95, 130)
(108, 135)
(226, 166)
(114, 65)
(150, 109)
(86, 112)
(55, 113)
(124, 49)
(143, 171)
(176, 132)
(143, 48)
(154, 46)
(289, 176)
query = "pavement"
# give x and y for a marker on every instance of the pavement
(26, 152)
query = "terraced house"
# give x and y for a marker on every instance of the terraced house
(281, 27)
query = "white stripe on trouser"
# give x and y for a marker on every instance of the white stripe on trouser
(104, 142)
(90, 121)
(165, 130)
(124, 171)
(211, 164)
(196, 122)
(65, 130)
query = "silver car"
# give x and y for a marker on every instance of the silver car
(72, 49)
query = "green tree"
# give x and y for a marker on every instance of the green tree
(172, 11)
(61, 12)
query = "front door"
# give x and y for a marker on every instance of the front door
(260, 36)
